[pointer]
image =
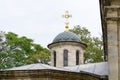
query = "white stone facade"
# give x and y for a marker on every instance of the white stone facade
(72, 47)
(111, 26)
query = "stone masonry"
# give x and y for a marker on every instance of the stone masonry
(72, 47)
(110, 10)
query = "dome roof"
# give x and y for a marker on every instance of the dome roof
(66, 36)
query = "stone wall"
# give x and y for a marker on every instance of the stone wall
(72, 47)
(47, 75)
(110, 10)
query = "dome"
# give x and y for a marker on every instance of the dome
(66, 36)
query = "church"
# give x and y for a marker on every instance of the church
(67, 52)
(67, 62)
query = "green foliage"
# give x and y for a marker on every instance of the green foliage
(17, 51)
(94, 51)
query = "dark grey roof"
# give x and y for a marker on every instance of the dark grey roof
(36, 66)
(95, 68)
(100, 68)
(66, 36)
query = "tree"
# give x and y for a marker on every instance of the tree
(17, 51)
(94, 51)
(41, 55)
(3, 50)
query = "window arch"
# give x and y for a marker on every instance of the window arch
(77, 57)
(54, 54)
(65, 57)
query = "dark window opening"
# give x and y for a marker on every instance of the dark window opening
(54, 53)
(77, 57)
(65, 57)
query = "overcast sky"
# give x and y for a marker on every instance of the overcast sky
(41, 20)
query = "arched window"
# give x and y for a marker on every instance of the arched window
(65, 58)
(54, 54)
(77, 57)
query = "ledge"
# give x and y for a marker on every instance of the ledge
(113, 18)
(112, 7)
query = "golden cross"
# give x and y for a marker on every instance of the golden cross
(67, 16)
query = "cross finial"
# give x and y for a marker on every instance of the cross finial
(67, 16)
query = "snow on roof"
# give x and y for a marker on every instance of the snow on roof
(95, 68)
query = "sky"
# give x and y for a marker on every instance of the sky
(41, 20)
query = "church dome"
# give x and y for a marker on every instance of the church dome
(66, 36)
